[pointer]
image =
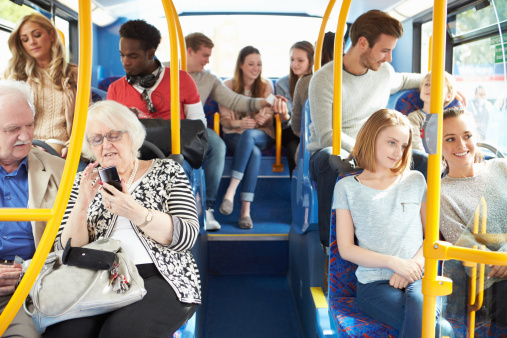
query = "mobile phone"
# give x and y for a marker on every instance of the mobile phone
(110, 176)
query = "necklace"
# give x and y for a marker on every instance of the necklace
(133, 175)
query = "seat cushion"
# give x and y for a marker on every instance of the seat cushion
(350, 321)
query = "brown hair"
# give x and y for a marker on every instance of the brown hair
(197, 40)
(449, 82)
(364, 149)
(327, 48)
(457, 112)
(238, 85)
(372, 24)
(293, 78)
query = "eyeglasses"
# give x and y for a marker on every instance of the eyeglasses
(112, 136)
(149, 105)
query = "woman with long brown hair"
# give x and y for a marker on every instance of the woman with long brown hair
(246, 134)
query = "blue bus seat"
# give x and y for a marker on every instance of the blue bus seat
(407, 101)
(304, 190)
(106, 82)
(349, 320)
(98, 95)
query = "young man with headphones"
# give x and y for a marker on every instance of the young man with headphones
(147, 86)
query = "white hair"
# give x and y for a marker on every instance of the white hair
(118, 117)
(20, 88)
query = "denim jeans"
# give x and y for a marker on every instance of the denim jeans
(247, 149)
(213, 166)
(400, 309)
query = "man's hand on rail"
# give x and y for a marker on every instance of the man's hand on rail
(280, 107)
(9, 276)
(499, 271)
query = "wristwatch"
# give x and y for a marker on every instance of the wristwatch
(148, 219)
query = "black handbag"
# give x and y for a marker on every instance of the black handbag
(193, 134)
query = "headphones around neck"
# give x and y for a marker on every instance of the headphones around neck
(145, 81)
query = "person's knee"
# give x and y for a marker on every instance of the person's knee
(216, 148)
(256, 153)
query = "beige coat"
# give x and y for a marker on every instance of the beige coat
(44, 176)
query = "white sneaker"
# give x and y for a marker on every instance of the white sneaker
(211, 222)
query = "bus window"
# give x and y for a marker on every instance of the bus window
(478, 66)
(426, 32)
(63, 26)
(272, 35)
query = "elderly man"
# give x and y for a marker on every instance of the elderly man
(29, 177)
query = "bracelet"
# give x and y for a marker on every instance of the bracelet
(148, 219)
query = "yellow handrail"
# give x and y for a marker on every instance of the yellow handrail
(432, 285)
(338, 70)
(476, 295)
(320, 39)
(55, 216)
(175, 79)
(181, 39)
(278, 165)
(216, 123)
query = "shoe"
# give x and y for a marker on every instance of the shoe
(211, 222)
(226, 207)
(245, 223)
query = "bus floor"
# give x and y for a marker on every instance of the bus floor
(247, 293)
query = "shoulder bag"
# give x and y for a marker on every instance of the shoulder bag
(81, 282)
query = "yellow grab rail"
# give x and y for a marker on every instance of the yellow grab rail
(55, 215)
(338, 70)
(320, 39)
(175, 78)
(476, 295)
(432, 284)
(278, 165)
(181, 39)
(216, 123)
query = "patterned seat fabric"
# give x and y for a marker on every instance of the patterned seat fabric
(180, 332)
(106, 82)
(409, 101)
(349, 320)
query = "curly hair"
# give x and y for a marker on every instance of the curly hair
(23, 67)
(141, 30)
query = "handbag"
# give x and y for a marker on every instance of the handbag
(193, 139)
(82, 282)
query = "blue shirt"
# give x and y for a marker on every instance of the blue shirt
(16, 238)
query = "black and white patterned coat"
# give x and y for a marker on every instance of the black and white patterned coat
(164, 188)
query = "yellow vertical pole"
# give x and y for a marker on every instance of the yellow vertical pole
(338, 70)
(181, 39)
(175, 79)
(320, 39)
(434, 161)
(429, 52)
(69, 173)
(277, 167)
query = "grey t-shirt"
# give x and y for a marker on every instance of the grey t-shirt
(385, 221)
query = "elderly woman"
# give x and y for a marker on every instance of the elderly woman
(154, 217)
(471, 186)
(38, 58)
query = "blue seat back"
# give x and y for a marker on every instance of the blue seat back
(407, 101)
(304, 192)
(98, 94)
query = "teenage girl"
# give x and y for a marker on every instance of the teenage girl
(384, 207)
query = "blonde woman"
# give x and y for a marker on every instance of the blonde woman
(38, 58)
